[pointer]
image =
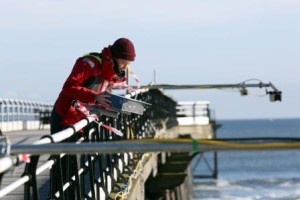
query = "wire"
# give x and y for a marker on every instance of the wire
(252, 79)
(241, 84)
(252, 94)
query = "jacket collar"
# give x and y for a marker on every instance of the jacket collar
(107, 68)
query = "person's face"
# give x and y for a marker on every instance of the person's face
(123, 64)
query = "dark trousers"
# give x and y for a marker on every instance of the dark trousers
(64, 168)
(55, 120)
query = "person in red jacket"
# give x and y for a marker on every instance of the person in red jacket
(91, 76)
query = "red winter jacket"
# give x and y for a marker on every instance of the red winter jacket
(88, 78)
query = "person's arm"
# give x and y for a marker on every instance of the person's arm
(82, 70)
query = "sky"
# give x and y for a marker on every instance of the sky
(187, 42)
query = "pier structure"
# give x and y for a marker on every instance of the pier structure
(113, 172)
(17, 115)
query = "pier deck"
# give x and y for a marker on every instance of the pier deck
(25, 137)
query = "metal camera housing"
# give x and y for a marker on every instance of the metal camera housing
(275, 96)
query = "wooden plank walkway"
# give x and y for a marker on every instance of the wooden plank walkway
(26, 137)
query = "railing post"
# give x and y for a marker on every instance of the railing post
(76, 182)
(56, 179)
(30, 170)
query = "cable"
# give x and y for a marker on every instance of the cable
(252, 79)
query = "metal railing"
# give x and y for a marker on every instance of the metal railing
(99, 176)
(193, 112)
(16, 114)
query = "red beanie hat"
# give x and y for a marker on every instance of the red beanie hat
(123, 48)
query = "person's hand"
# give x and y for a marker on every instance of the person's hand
(103, 99)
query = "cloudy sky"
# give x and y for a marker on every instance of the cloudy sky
(188, 42)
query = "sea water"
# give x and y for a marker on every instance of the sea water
(261, 174)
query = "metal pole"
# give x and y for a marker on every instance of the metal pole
(60, 136)
(127, 79)
(212, 86)
(5, 190)
(7, 162)
(145, 146)
(155, 76)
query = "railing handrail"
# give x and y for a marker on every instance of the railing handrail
(133, 126)
(7, 162)
(57, 137)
